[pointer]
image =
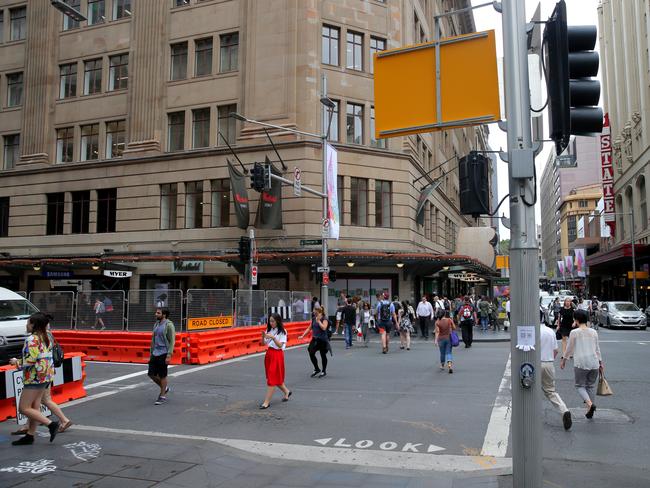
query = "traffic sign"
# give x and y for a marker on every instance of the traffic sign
(254, 275)
(326, 278)
(311, 242)
(325, 231)
(297, 184)
(322, 269)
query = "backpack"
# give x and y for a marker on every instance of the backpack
(57, 352)
(384, 312)
(466, 312)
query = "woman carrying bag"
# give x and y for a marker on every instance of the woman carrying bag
(275, 337)
(320, 342)
(444, 328)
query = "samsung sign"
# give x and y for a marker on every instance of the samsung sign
(117, 274)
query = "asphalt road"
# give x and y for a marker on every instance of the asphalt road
(375, 420)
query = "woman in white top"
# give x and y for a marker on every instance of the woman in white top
(587, 362)
(275, 337)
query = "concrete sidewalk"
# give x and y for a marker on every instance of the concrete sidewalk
(479, 336)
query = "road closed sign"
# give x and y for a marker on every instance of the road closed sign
(209, 322)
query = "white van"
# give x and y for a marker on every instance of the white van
(14, 312)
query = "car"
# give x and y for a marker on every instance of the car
(621, 314)
(544, 306)
(14, 312)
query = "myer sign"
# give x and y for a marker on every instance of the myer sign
(117, 274)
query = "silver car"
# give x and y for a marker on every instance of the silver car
(621, 314)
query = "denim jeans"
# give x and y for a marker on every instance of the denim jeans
(348, 334)
(485, 323)
(445, 350)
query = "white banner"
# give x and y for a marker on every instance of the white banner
(333, 211)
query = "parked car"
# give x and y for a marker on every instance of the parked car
(547, 314)
(14, 312)
(621, 314)
(647, 313)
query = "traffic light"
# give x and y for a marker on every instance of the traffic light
(474, 184)
(261, 176)
(332, 274)
(573, 93)
(244, 249)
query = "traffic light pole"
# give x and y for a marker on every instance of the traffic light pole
(324, 264)
(526, 387)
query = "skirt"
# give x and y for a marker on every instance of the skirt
(274, 366)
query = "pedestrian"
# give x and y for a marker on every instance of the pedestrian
(584, 348)
(466, 320)
(320, 342)
(484, 313)
(387, 317)
(564, 322)
(447, 306)
(161, 352)
(508, 310)
(424, 314)
(37, 365)
(548, 352)
(314, 305)
(405, 327)
(366, 315)
(349, 319)
(100, 309)
(582, 305)
(442, 339)
(275, 337)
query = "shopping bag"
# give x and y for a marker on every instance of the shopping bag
(454, 339)
(603, 386)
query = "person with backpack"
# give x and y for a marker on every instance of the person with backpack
(405, 326)
(349, 319)
(466, 320)
(484, 313)
(320, 341)
(386, 317)
(99, 309)
(447, 306)
(161, 351)
(424, 313)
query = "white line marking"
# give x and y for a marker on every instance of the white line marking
(115, 380)
(496, 436)
(92, 361)
(351, 457)
(626, 342)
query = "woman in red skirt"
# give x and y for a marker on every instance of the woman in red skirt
(275, 338)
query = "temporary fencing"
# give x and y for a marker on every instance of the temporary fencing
(101, 310)
(279, 302)
(300, 306)
(209, 309)
(143, 305)
(22, 293)
(59, 304)
(250, 307)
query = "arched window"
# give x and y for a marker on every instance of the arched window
(642, 219)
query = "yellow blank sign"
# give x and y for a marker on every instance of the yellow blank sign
(406, 86)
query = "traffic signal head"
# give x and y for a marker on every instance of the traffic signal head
(474, 184)
(244, 249)
(257, 177)
(571, 64)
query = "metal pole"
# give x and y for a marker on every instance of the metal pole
(526, 400)
(250, 275)
(633, 237)
(323, 290)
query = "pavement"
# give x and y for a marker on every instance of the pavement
(374, 420)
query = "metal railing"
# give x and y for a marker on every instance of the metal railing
(59, 304)
(300, 306)
(143, 304)
(209, 309)
(101, 310)
(279, 302)
(250, 307)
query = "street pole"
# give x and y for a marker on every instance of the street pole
(633, 237)
(526, 400)
(323, 290)
(250, 275)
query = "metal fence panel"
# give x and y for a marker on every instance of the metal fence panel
(250, 307)
(300, 306)
(59, 304)
(279, 302)
(209, 309)
(101, 310)
(22, 293)
(142, 308)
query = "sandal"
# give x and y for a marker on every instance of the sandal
(19, 432)
(65, 426)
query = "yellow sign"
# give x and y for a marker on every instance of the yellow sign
(503, 262)
(410, 98)
(209, 322)
(640, 275)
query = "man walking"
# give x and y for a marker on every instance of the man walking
(386, 317)
(548, 351)
(349, 318)
(424, 313)
(467, 319)
(162, 350)
(484, 312)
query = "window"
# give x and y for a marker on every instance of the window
(221, 202)
(18, 23)
(119, 72)
(572, 231)
(376, 45)
(69, 22)
(106, 210)
(14, 89)
(11, 150)
(80, 212)
(115, 139)
(89, 142)
(4, 216)
(194, 205)
(229, 52)
(583, 204)
(176, 132)
(374, 142)
(92, 76)
(201, 127)
(203, 57)
(2, 27)
(179, 61)
(643, 204)
(64, 145)
(339, 194)
(359, 201)
(334, 126)
(227, 125)
(354, 50)
(96, 12)
(383, 201)
(168, 200)
(330, 40)
(121, 9)
(354, 123)
(181, 3)
(55, 210)
(67, 80)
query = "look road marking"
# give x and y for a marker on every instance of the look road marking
(496, 436)
(384, 446)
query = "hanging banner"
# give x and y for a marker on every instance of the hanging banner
(560, 268)
(568, 265)
(608, 176)
(333, 211)
(239, 195)
(269, 210)
(424, 195)
(581, 269)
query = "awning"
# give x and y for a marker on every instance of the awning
(618, 255)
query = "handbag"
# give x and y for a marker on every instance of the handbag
(454, 339)
(57, 352)
(603, 386)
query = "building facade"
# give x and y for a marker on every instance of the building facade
(114, 154)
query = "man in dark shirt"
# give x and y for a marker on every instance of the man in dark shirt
(349, 318)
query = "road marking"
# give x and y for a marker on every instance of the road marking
(339, 456)
(115, 380)
(626, 342)
(384, 446)
(83, 450)
(496, 437)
